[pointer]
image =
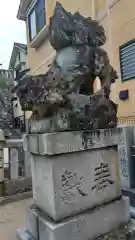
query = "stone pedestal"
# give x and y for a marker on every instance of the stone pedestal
(76, 186)
(87, 225)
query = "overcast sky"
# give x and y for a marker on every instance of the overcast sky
(11, 29)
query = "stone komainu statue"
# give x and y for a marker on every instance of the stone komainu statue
(64, 95)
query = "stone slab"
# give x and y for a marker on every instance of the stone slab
(66, 142)
(14, 163)
(22, 234)
(19, 185)
(88, 225)
(1, 174)
(123, 232)
(125, 156)
(71, 183)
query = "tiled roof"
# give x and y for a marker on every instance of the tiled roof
(17, 46)
(21, 45)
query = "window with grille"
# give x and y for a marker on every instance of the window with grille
(127, 60)
(36, 18)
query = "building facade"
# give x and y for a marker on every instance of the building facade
(18, 61)
(19, 65)
(118, 19)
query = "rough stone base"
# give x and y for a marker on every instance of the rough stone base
(126, 232)
(88, 225)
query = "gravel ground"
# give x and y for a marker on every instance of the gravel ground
(12, 217)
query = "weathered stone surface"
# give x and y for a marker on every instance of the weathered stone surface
(88, 225)
(66, 142)
(123, 232)
(22, 234)
(17, 186)
(70, 183)
(1, 174)
(125, 156)
(14, 164)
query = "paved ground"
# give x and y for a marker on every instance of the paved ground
(12, 216)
